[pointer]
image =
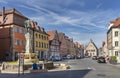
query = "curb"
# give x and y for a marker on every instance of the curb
(115, 65)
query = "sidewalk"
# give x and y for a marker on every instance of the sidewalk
(58, 67)
(115, 65)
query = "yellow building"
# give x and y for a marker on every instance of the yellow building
(41, 43)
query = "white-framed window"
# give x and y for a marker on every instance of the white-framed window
(116, 33)
(116, 53)
(116, 43)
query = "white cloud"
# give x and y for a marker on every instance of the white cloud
(3, 1)
(94, 20)
(71, 17)
(84, 38)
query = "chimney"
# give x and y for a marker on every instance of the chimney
(3, 13)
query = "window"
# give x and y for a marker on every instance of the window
(116, 33)
(20, 43)
(16, 42)
(39, 44)
(42, 36)
(39, 35)
(116, 53)
(42, 45)
(46, 45)
(16, 29)
(36, 35)
(36, 44)
(116, 43)
(21, 30)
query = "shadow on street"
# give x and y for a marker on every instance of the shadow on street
(54, 74)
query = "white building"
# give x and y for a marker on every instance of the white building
(113, 38)
(91, 49)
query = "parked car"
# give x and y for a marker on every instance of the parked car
(70, 56)
(78, 57)
(101, 59)
(56, 58)
(64, 57)
(94, 57)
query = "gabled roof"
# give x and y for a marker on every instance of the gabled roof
(61, 36)
(115, 22)
(52, 34)
(93, 44)
(13, 10)
(78, 45)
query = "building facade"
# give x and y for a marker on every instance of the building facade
(12, 33)
(91, 49)
(54, 43)
(63, 45)
(104, 49)
(79, 50)
(41, 43)
(113, 38)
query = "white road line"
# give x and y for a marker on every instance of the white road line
(91, 68)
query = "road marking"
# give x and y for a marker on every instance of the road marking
(91, 68)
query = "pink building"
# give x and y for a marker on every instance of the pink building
(64, 45)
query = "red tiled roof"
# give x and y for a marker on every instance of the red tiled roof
(115, 22)
(52, 34)
(13, 10)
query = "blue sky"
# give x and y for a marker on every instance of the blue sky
(80, 19)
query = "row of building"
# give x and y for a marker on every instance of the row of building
(50, 43)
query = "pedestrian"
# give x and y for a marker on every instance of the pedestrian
(34, 66)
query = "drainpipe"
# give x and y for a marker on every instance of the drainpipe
(3, 14)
